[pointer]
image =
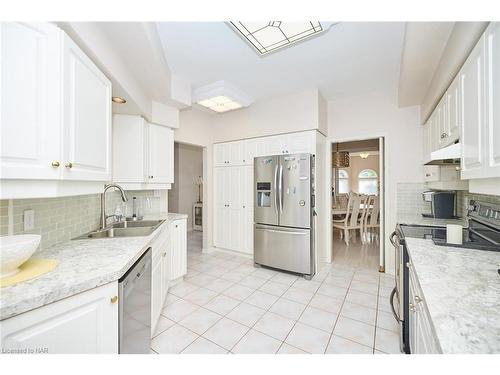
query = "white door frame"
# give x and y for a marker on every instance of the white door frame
(382, 137)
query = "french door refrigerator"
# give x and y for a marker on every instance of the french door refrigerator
(283, 213)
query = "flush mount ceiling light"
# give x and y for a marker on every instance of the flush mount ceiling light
(269, 36)
(220, 96)
(364, 155)
(118, 100)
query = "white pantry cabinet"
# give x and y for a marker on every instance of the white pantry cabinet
(86, 323)
(178, 244)
(480, 96)
(234, 208)
(143, 153)
(61, 139)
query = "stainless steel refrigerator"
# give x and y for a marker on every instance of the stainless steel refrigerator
(283, 212)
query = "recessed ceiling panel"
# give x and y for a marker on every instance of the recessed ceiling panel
(269, 36)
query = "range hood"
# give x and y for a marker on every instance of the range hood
(447, 155)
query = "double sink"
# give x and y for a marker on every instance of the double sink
(124, 229)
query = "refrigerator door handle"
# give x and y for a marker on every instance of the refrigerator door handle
(280, 187)
(276, 190)
(282, 231)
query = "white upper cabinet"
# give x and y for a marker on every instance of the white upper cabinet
(472, 97)
(492, 103)
(87, 118)
(453, 112)
(143, 153)
(30, 100)
(161, 154)
(55, 110)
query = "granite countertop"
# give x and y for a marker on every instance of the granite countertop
(83, 265)
(461, 289)
(420, 220)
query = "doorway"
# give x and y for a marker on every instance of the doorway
(357, 194)
(186, 194)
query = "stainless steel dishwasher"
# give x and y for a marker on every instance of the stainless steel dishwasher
(134, 292)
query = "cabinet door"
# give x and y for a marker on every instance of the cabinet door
(300, 143)
(443, 122)
(221, 154)
(179, 249)
(221, 220)
(273, 145)
(128, 149)
(235, 186)
(247, 188)
(250, 151)
(30, 100)
(160, 154)
(472, 96)
(246, 231)
(234, 232)
(222, 186)
(86, 323)
(87, 117)
(236, 153)
(453, 107)
(426, 142)
(492, 70)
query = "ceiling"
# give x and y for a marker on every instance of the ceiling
(349, 59)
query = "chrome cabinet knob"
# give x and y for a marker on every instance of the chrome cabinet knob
(55, 164)
(418, 299)
(413, 308)
(408, 264)
(69, 165)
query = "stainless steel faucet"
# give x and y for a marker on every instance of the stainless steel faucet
(103, 202)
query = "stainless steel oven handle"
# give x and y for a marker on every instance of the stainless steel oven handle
(393, 234)
(391, 299)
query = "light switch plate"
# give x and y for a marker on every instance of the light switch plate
(29, 220)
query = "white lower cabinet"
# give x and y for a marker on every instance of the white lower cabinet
(178, 244)
(422, 338)
(160, 273)
(86, 323)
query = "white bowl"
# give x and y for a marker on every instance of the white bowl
(15, 250)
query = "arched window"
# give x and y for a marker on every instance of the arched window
(343, 181)
(368, 182)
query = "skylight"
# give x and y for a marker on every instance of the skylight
(269, 36)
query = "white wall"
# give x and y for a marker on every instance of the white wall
(197, 128)
(285, 114)
(374, 115)
(188, 166)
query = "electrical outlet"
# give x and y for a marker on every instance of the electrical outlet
(29, 220)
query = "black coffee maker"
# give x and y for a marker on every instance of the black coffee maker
(443, 204)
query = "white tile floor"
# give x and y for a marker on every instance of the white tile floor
(226, 305)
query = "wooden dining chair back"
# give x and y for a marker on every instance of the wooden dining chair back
(352, 219)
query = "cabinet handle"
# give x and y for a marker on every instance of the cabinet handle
(55, 164)
(412, 307)
(427, 175)
(114, 299)
(69, 165)
(408, 264)
(418, 299)
(176, 226)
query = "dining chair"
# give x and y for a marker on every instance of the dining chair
(352, 219)
(372, 219)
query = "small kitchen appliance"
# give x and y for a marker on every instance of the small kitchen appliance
(442, 204)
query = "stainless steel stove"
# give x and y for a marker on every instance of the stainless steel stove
(483, 232)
